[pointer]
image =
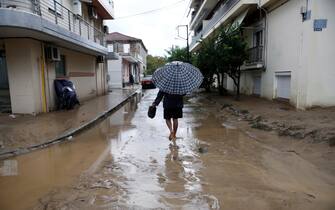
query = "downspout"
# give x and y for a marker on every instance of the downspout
(44, 99)
(266, 33)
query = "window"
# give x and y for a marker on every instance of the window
(110, 48)
(60, 67)
(126, 48)
(59, 7)
(258, 38)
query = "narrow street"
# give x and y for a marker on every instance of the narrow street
(127, 162)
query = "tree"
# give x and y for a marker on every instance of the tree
(175, 53)
(154, 62)
(205, 60)
(232, 49)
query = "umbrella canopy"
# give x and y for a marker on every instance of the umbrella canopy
(177, 78)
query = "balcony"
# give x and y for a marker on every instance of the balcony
(255, 58)
(255, 55)
(53, 20)
(105, 8)
(208, 25)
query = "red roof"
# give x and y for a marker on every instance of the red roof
(118, 37)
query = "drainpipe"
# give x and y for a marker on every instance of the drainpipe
(44, 99)
(266, 33)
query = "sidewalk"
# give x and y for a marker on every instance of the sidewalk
(25, 133)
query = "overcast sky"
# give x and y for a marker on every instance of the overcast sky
(157, 29)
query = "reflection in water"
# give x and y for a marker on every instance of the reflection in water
(28, 177)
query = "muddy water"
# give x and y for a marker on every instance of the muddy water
(128, 163)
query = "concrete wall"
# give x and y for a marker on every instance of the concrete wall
(24, 63)
(284, 49)
(318, 55)
(23, 58)
(82, 70)
(115, 73)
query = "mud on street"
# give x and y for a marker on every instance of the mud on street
(127, 162)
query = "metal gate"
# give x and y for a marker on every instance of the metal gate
(3, 71)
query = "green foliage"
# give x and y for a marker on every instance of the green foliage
(205, 60)
(175, 53)
(154, 62)
(223, 53)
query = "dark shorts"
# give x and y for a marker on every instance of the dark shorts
(173, 113)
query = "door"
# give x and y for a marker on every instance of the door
(257, 86)
(283, 86)
(4, 84)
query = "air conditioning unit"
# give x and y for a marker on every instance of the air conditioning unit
(92, 12)
(106, 29)
(77, 7)
(52, 53)
(100, 59)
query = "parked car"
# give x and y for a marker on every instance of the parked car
(147, 82)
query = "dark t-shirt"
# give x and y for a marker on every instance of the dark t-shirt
(170, 101)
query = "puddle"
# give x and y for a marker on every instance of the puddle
(129, 163)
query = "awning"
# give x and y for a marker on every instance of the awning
(238, 21)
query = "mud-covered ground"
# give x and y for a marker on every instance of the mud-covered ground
(218, 162)
(315, 125)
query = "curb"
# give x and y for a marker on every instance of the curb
(72, 132)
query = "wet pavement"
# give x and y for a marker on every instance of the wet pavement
(127, 162)
(22, 133)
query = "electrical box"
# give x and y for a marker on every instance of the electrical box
(100, 59)
(92, 12)
(77, 7)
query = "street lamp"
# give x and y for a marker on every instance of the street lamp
(187, 45)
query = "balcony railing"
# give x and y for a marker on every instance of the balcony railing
(255, 55)
(56, 13)
(221, 12)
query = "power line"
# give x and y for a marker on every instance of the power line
(151, 11)
(187, 9)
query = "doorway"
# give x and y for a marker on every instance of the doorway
(5, 105)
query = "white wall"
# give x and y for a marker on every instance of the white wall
(115, 73)
(82, 70)
(284, 49)
(319, 55)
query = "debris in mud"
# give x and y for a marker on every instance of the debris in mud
(226, 105)
(106, 184)
(2, 145)
(261, 125)
(203, 150)
(13, 116)
(283, 128)
(331, 141)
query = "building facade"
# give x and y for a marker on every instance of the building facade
(45, 40)
(290, 46)
(127, 56)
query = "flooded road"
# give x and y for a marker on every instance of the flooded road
(127, 162)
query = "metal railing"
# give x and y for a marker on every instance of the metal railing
(55, 12)
(255, 55)
(218, 15)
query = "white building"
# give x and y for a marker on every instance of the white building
(127, 56)
(291, 46)
(44, 40)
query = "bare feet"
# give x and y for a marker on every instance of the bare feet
(174, 136)
(171, 136)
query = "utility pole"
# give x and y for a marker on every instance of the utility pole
(187, 45)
